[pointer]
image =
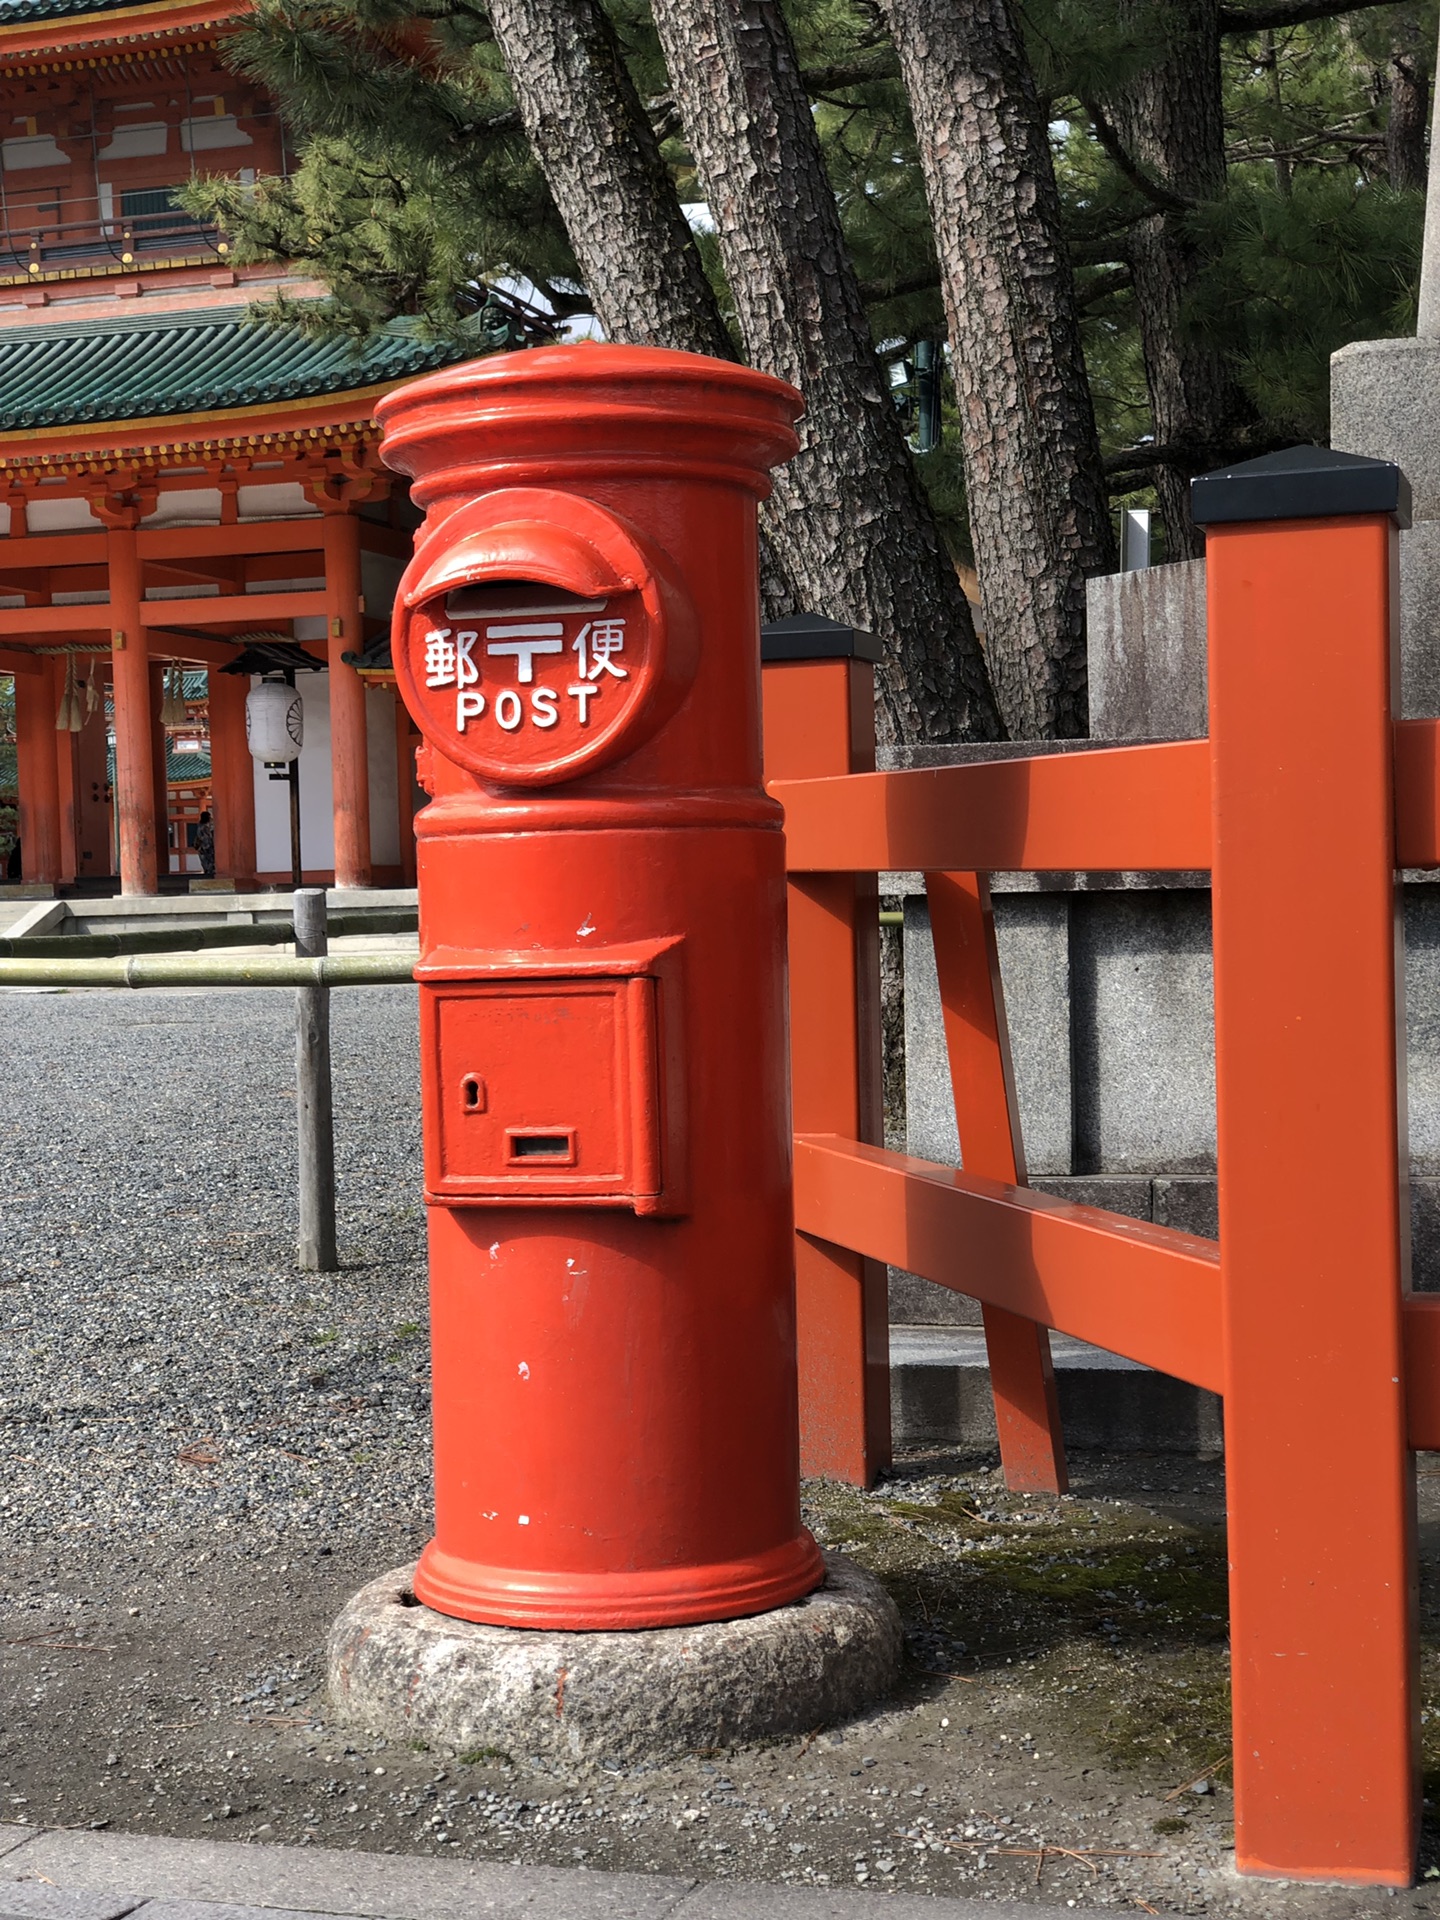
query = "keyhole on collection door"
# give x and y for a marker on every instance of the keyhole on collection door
(472, 1093)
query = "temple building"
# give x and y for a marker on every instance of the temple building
(177, 483)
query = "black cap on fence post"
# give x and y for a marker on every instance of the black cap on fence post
(810, 636)
(1300, 483)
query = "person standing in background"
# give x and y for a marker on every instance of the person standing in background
(205, 845)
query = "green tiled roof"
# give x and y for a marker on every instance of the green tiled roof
(15, 12)
(66, 372)
(185, 766)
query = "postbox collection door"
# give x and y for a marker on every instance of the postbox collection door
(542, 1089)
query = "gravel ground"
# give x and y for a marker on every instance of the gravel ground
(208, 1452)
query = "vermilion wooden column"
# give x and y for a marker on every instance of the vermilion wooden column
(987, 1120)
(1301, 553)
(160, 769)
(232, 776)
(134, 748)
(349, 757)
(67, 780)
(37, 766)
(819, 704)
(407, 739)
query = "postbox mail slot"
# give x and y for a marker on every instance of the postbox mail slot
(544, 1090)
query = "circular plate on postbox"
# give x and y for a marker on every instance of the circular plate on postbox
(532, 637)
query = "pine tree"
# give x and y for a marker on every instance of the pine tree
(418, 185)
(850, 502)
(1038, 511)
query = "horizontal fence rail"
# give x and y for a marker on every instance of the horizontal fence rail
(1148, 1292)
(186, 970)
(1114, 809)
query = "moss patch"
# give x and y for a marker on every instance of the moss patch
(1109, 1619)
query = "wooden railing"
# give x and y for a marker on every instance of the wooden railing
(1304, 802)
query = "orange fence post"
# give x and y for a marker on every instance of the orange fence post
(819, 703)
(982, 1076)
(1302, 643)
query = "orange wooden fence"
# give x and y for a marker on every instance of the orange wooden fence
(1303, 803)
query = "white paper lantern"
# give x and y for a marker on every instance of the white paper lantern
(274, 722)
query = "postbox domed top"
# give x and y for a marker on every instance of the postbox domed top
(563, 413)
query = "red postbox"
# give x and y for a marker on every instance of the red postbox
(602, 976)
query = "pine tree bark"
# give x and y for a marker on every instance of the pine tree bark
(1039, 511)
(1408, 86)
(602, 163)
(1169, 121)
(850, 518)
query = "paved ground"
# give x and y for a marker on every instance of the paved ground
(207, 1452)
(68, 1876)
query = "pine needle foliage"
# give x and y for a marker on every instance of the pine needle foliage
(415, 186)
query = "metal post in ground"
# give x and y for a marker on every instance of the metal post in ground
(314, 1112)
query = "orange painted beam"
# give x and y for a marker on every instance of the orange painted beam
(53, 550)
(25, 622)
(250, 536)
(232, 609)
(1146, 1292)
(1117, 808)
(17, 660)
(209, 610)
(1120, 808)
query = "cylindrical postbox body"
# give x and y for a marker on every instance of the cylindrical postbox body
(602, 974)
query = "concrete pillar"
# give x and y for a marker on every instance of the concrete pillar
(1385, 403)
(232, 777)
(37, 764)
(134, 737)
(1427, 316)
(349, 756)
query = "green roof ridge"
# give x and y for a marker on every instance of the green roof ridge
(69, 372)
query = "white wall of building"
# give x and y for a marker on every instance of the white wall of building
(272, 797)
(317, 820)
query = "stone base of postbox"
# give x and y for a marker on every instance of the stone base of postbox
(572, 1700)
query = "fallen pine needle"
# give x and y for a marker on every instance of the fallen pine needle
(940, 1673)
(42, 1643)
(1199, 1780)
(1087, 1856)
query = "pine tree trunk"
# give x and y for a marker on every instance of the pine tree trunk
(603, 166)
(1408, 77)
(1170, 122)
(850, 518)
(1039, 512)
(602, 163)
